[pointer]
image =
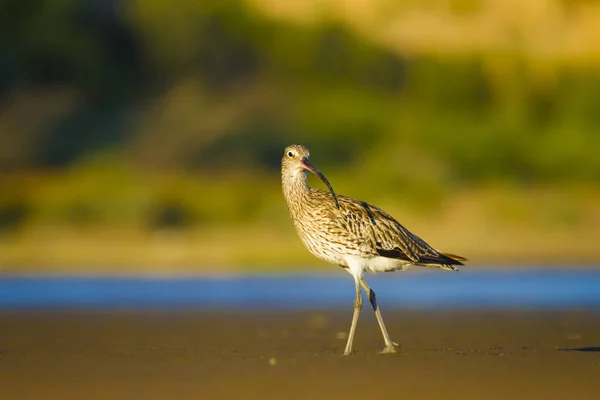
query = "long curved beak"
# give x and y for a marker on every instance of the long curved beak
(307, 165)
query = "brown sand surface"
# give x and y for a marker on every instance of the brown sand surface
(298, 355)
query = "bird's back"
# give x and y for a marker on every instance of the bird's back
(360, 230)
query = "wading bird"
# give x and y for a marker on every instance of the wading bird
(353, 234)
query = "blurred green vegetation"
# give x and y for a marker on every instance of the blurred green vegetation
(153, 114)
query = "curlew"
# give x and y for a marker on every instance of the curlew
(353, 234)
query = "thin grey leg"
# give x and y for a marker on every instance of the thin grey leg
(357, 307)
(390, 347)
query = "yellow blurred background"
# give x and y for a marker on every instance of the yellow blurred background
(146, 136)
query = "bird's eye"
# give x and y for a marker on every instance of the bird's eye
(290, 154)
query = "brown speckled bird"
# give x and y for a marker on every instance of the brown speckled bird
(353, 234)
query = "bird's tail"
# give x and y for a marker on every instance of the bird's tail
(447, 261)
(454, 260)
(455, 257)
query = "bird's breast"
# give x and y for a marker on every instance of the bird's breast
(324, 241)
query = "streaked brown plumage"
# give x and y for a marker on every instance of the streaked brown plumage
(352, 233)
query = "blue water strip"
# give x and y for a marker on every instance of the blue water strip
(539, 288)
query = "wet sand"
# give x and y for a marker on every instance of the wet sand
(298, 355)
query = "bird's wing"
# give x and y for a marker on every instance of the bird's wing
(375, 232)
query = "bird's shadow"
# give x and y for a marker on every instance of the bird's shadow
(591, 349)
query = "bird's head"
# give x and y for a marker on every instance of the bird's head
(296, 160)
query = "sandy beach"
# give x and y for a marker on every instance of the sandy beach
(198, 354)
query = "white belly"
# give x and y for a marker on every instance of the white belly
(358, 265)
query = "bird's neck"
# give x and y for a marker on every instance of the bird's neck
(295, 188)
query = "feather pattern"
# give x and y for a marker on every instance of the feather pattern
(335, 227)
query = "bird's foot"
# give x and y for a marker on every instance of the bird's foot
(390, 348)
